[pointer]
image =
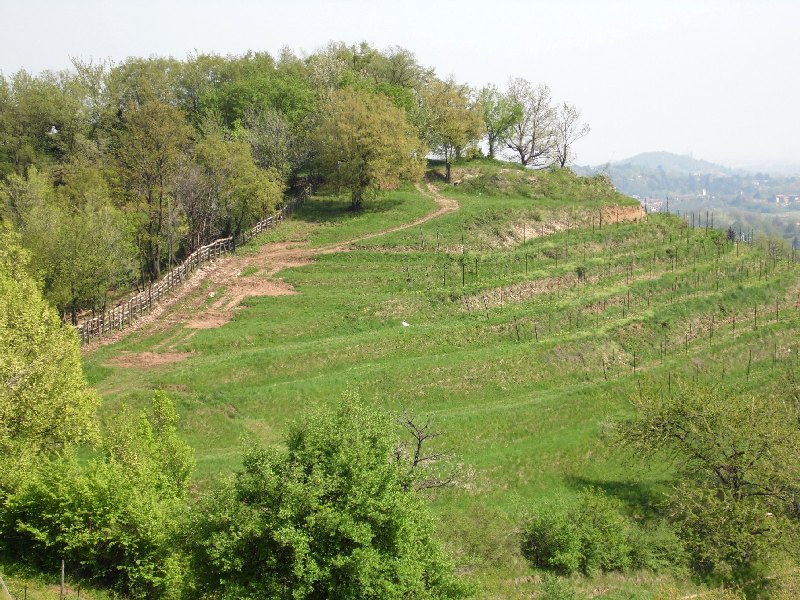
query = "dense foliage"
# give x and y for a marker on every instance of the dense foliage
(45, 404)
(593, 535)
(330, 516)
(365, 143)
(113, 172)
(114, 519)
(738, 458)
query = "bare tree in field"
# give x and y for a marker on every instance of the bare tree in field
(568, 130)
(532, 138)
(427, 470)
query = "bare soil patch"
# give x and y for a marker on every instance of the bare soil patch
(226, 288)
(146, 360)
(614, 214)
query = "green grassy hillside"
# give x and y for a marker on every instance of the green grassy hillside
(534, 312)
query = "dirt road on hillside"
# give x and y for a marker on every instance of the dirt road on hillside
(225, 286)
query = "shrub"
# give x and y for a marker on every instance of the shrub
(556, 588)
(329, 516)
(594, 536)
(106, 527)
(552, 541)
(658, 548)
(112, 520)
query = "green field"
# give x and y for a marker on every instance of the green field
(531, 323)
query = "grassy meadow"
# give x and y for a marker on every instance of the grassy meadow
(532, 319)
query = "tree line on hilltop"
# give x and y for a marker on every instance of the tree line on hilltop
(112, 172)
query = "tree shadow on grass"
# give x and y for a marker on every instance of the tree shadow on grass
(338, 210)
(642, 499)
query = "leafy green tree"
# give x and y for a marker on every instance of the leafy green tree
(43, 118)
(136, 82)
(453, 121)
(364, 143)
(276, 144)
(398, 66)
(79, 241)
(499, 113)
(149, 152)
(292, 96)
(7, 155)
(738, 460)
(197, 84)
(329, 516)
(45, 403)
(241, 192)
(113, 520)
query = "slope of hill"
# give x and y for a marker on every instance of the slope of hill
(672, 163)
(519, 324)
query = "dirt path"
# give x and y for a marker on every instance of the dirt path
(228, 281)
(446, 205)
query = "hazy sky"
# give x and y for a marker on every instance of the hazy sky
(716, 78)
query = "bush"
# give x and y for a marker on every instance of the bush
(605, 534)
(552, 541)
(556, 588)
(114, 519)
(659, 549)
(594, 536)
(329, 516)
(102, 523)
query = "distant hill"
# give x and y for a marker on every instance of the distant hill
(766, 203)
(672, 163)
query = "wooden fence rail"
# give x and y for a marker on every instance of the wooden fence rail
(129, 311)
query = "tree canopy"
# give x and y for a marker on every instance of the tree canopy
(364, 143)
(120, 162)
(738, 456)
(329, 516)
(45, 403)
(453, 119)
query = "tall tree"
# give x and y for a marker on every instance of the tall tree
(364, 143)
(79, 240)
(43, 118)
(500, 112)
(7, 154)
(149, 152)
(738, 463)
(46, 405)
(276, 143)
(240, 191)
(453, 120)
(568, 130)
(533, 136)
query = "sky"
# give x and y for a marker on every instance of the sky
(715, 78)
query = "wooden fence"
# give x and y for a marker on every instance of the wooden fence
(131, 310)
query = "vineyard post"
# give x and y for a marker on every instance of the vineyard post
(749, 362)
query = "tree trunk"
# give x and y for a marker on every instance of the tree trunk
(447, 170)
(357, 198)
